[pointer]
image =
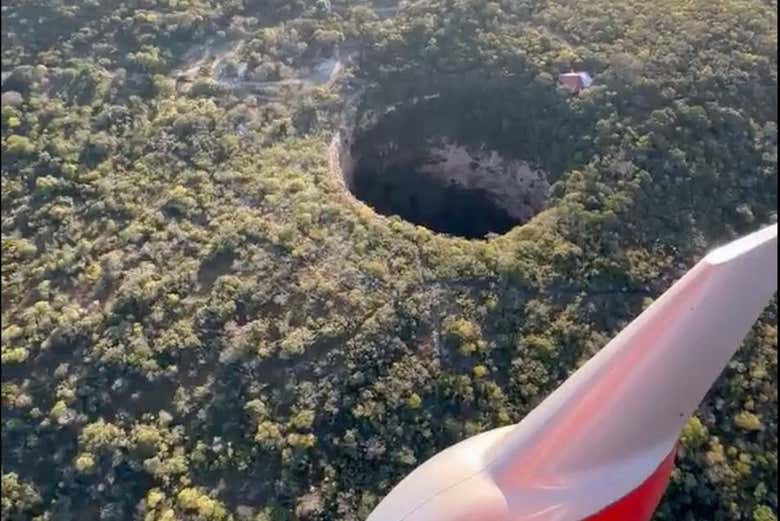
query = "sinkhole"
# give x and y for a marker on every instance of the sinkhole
(436, 167)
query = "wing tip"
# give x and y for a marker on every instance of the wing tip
(763, 239)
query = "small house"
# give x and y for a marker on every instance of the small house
(575, 81)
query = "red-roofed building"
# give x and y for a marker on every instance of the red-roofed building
(575, 81)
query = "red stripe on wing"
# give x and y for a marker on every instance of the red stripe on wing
(640, 504)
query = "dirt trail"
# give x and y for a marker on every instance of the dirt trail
(211, 60)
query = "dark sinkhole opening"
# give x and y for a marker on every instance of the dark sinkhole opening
(438, 204)
(447, 165)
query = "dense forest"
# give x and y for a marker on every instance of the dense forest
(199, 320)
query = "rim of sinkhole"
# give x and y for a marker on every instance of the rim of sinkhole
(431, 167)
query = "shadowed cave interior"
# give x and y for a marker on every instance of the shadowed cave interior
(440, 205)
(455, 164)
